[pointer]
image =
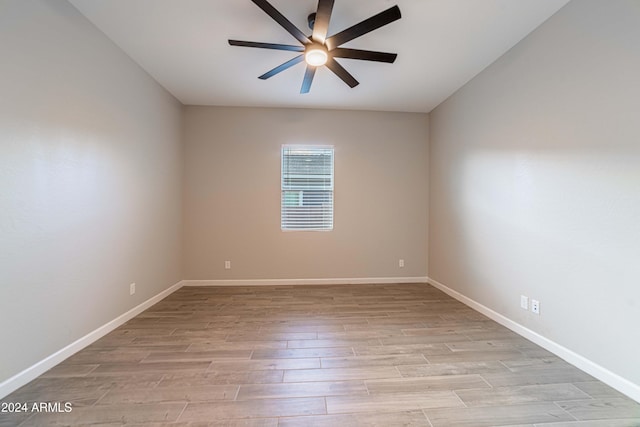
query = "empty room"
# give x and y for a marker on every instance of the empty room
(270, 213)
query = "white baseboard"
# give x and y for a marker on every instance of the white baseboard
(603, 374)
(15, 382)
(278, 282)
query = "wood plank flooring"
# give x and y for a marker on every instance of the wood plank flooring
(348, 355)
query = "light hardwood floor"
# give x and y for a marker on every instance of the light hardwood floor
(349, 355)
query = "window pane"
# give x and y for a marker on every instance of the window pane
(292, 198)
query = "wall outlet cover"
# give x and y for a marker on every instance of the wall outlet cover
(535, 306)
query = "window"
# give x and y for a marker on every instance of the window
(307, 188)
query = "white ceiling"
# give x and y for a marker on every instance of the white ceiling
(441, 45)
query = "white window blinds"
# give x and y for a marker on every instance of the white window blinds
(307, 188)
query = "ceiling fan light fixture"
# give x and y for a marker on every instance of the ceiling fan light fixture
(316, 56)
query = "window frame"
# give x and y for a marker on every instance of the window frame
(309, 147)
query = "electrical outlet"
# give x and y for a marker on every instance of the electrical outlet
(401, 263)
(132, 289)
(227, 265)
(535, 306)
(524, 302)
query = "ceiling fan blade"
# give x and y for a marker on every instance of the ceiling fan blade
(275, 46)
(366, 55)
(282, 67)
(280, 19)
(321, 24)
(364, 27)
(339, 71)
(308, 78)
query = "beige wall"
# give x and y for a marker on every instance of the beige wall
(90, 169)
(535, 183)
(232, 194)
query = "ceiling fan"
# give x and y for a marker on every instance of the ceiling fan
(318, 49)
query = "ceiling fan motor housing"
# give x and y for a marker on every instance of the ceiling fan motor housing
(311, 19)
